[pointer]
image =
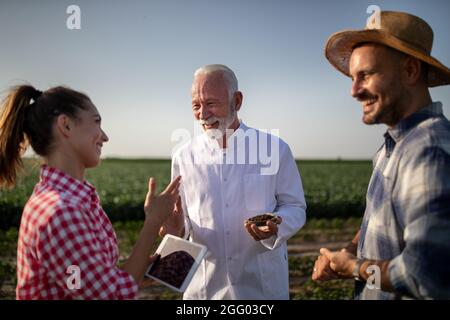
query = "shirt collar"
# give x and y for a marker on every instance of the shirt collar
(66, 183)
(389, 144)
(404, 126)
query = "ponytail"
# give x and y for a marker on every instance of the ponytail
(13, 142)
(27, 118)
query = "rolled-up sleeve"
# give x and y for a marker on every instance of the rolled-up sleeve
(422, 270)
(69, 240)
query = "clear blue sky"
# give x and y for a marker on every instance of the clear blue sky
(135, 59)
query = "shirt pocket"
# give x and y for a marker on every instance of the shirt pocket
(256, 188)
(274, 274)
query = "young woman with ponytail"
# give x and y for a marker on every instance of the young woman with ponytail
(63, 227)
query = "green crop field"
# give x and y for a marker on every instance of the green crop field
(334, 191)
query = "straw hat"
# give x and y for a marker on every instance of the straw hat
(398, 30)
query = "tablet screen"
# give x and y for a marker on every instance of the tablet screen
(177, 261)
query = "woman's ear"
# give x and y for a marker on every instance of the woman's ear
(63, 125)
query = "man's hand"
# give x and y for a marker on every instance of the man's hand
(264, 232)
(322, 270)
(175, 222)
(342, 262)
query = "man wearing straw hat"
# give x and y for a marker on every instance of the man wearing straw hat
(403, 245)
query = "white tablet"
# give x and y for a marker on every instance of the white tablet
(178, 261)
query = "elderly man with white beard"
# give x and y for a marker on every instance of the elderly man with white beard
(226, 181)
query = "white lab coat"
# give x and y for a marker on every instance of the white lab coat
(219, 191)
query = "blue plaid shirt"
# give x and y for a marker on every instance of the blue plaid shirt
(407, 217)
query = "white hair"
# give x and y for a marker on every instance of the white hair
(228, 74)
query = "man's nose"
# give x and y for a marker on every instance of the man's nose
(204, 112)
(356, 88)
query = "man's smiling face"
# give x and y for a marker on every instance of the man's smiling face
(211, 102)
(376, 82)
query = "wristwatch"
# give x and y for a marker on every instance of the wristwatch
(356, 269)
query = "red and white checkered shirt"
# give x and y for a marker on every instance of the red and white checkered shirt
(65, 230)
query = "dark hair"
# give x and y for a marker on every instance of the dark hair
(27, 118)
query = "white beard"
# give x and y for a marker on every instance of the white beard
(224, 124)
